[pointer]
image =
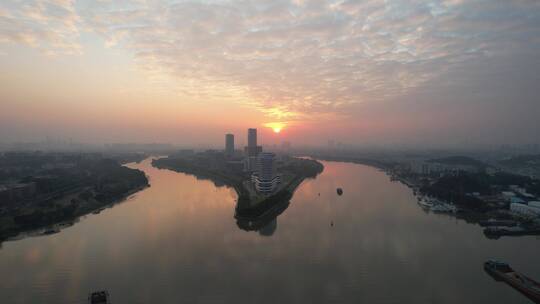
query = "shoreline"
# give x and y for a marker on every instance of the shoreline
(54, 226)
(244, 210)
(57, 226)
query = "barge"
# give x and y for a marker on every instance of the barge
(501, 271)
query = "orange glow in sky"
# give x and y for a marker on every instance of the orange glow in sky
(275, 126)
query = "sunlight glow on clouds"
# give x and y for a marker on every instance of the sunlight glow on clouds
(291, 60)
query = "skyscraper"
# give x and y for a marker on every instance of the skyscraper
(229, 144)
(252, 137)
(252, 150)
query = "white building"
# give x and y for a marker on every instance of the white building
(525, 210)
(535, 204)
(265, 179)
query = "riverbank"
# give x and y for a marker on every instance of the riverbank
(379, 164)
(471, 197)
(96, 185)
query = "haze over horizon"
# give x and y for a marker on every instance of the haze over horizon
(425, 73)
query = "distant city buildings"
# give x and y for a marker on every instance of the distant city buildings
(229, 144)
(286, 146)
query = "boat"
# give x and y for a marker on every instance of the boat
(339, 191)
(503, 230)
(493, 222)
(497, 231)
(99, 297)
(51, 231)
(424, 203)
(440, 209)
(501, 271)
(444, 208)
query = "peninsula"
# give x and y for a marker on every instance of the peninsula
(222, 170)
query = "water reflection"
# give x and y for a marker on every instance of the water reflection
(178, 242)
(265, 224)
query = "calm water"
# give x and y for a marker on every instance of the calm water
(177, 242)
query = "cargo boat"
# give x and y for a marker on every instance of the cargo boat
(498, 231)
(501, 271)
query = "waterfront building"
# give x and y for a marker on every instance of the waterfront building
(265, 179)
(524, 210)
(229, 144)
(534, 204)
(517, 200)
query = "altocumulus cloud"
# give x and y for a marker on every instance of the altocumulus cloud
(291, 58)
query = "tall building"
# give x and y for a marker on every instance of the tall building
(252, 150)
(229, 144)
(252, 137)
(265, 179)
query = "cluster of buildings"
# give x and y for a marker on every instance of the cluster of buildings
(522, 203)
(260, 165)
(437, 169)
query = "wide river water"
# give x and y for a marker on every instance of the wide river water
(178, 242)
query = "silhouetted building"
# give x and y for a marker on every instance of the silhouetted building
(252, 137)
(229, 144)
(252, 150)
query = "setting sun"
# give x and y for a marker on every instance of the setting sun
(275, 126)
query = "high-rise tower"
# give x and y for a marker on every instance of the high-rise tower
(252, 150)
(252, 137)
(229, 144)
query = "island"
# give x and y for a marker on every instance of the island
(41, 192)
(222, 170)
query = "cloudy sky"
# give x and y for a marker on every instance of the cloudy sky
(452, 72)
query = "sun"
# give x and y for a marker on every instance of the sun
(275, 126)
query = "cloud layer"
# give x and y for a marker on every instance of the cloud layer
(290, 59)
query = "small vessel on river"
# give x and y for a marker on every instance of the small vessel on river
(501, 271)
(339, 191)
(501, 223)
(99, 297)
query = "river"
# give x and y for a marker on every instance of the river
(178, 242)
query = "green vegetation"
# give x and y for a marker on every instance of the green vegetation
(522, 160)
(60, 188)
(459, 161)
(457, 188)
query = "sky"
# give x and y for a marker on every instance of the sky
(403, 72)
